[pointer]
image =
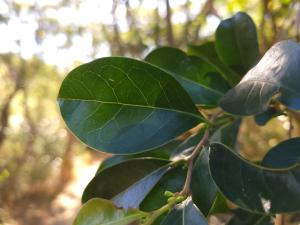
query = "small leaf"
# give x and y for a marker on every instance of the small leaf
(252, 187)
(203, 82)
(275, 74)
(121, 105)
(242, 217)
(185, 213)
(101, 211)
(236, 42)
(263, 118)
(283, 155)
(208, 54)
(116, 179)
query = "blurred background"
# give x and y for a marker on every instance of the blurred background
(43, 168)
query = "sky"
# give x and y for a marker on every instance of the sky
(18, 35)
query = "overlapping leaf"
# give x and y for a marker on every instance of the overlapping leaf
(114, 180)
(185, 213)
(260, 189)
(101, 211)
(202, 81)
(242, 217)
(236, 42)
(264, 117)
(277, 73)
(122, 105)
(208, 54)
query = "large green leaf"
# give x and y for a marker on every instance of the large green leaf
(283, 155)
(202, 81)
(255, 188)
(116, 179)
(277, 73)
(242, 217)
(122, 105)
(101, 211)
(208, 54)
(236, 42)
(185, 213)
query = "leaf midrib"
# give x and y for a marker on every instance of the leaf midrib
(139, 106)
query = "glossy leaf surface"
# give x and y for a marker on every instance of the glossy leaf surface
(122, 105)
(252, 187)
(101, 211)
(236, 42)
(208, 54)
(277, 73)
(185, 213)
(202, 81)
(112, 181)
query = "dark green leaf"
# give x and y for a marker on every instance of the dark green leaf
(236, 42)
(122, 105)
(275, 74)
(116, 179)
(101, 211)
(185, 213)
(136, 193)
(172, 181)
(252, 187)
(202, 81)
(263, 118)
(162, 152)
(283, 155)
(227, 134)
(208, 54)
(242, 217)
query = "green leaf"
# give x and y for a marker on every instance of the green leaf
(255, 188)
(236, 42)
(162, 152)
(208, 54)
(283, 155)
(185, 213)
(264, 117)
(275, 74)
(112, 181)
(101, 211)
(121, 105)
(136, 193)
(242, 217)
(204, 190)
(228, 134)
(202, 81)
(172, 181)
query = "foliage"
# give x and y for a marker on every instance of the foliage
(125, 106)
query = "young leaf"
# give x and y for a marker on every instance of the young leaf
(203, 82)
(236, 42)
(116, 179)
(275, 74)
(101, 211)
(185, 213)
(255, 188)
(208, 54)
(121, 105)
(242, 217)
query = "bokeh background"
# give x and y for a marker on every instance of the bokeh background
(43, 168)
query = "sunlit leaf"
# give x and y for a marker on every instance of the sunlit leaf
(202, 81)
(236, 42)
(122, 105)
(255, 188)
(101, 211)
(275, 74)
